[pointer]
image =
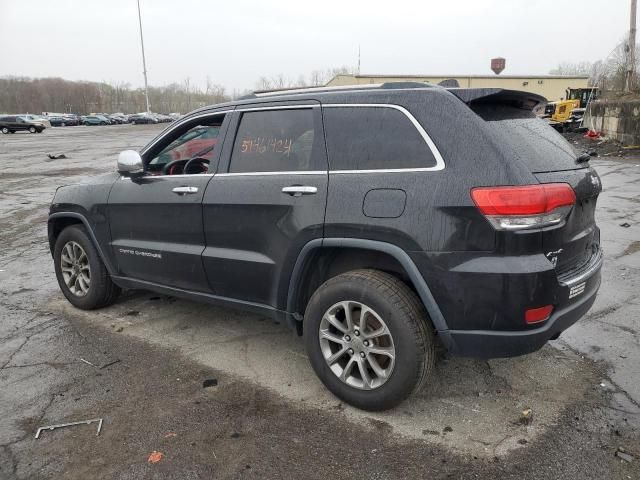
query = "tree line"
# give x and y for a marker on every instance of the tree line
(609, 74)
(37, 95)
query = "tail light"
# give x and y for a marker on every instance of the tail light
(526, 206)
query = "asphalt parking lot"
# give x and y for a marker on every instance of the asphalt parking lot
(268, 416)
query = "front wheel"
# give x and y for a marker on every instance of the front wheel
(33, 129)
(368, 339)
(81, 275)
(5, 130)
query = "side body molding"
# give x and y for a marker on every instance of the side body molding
(396, 252)
(105, 258)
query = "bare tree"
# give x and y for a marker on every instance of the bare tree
(569, 68)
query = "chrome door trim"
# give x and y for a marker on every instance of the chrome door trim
(257, 174)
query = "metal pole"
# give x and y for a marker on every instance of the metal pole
(144, 62)
(632, 47)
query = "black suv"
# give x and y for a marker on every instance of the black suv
(377, 221)
(17, 123)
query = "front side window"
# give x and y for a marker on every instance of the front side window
(277, 141)
(374, 138)
(193, 149)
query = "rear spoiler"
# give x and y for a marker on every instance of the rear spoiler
(513, 98)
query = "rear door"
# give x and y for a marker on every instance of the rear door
(156, 220)
(266, 202)
(18, 123)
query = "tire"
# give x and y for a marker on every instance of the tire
(102, 123)
(33, 129)
(101, 291)
(5, 130)
(133, 123)
(410, 336)
(63, 124)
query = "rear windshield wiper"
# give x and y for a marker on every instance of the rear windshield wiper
(585, 157)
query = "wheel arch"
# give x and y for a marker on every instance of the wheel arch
(391, 257)
(58, 221)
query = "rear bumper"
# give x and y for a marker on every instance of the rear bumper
(494, 344)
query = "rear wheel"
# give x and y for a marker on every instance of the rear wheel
(81, 275)
(368, 339)
(33, 129)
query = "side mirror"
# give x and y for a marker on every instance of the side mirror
(130, 163)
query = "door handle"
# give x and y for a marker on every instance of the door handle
(185, 190)
(299, 190)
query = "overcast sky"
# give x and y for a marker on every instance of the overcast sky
(236, 42)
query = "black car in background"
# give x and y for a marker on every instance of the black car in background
(377, 222)
(63, 121)
(141, 118)
(17, 123)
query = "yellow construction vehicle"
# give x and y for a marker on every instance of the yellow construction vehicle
(583, 95)
(569, 112)
(562, 110)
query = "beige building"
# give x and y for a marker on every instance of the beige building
(552, 87)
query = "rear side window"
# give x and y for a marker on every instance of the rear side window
(528, 138)
(374, 138)
(277, 141)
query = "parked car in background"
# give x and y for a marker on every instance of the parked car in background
(18, 123)
(36, 119)
(114, 119)
(105, 118)
(94, 120)
(164, 118)
(72, 120)
(63, 121)
(57, 121)
(141, 118)
(118, 118)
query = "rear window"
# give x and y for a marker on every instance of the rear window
(373, 138)
(277, 141)
(530, 139)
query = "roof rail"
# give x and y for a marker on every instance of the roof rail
(338, 88)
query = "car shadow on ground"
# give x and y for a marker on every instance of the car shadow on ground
(473, 406)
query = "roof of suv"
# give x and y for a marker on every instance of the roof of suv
(339, 94)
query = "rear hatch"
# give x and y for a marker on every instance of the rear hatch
(551, 159)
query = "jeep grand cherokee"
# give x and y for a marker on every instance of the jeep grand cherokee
(377, 221)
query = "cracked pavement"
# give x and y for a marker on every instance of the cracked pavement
(269, 416)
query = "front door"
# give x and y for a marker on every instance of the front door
(266, 202)
(156, 219)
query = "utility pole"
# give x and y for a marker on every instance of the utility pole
(144, 62)
(632, 47)
(358, 59)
